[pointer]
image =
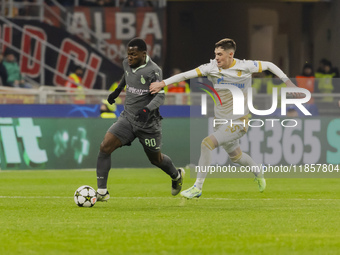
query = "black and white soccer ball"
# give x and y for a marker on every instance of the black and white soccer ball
(85, 196)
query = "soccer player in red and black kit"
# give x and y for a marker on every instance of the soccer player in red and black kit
(140, 119)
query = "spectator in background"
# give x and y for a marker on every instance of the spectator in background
(75, 81)
(324, 64)
(258, 80)
(274, 82)
(261, 81)
(107, 110)
(3, 72)
(114, 86)
(325, 75)
(75, 78)
(14, 76)
(307, 80)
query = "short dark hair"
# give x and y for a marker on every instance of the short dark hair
(308, 65)
(226, 44)
(139, 43)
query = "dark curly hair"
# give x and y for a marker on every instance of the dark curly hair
(139, 43)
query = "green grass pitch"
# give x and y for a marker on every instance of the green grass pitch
(293, 216)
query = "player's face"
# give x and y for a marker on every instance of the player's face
(223, 57)
(136, 58)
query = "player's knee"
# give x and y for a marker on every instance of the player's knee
(105, 148)
(208, 143)
(110, 143)
(235, 158)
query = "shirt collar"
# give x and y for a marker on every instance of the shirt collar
(142, 66)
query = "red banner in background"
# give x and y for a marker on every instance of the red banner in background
(27, 66)
(116, 26)
(51, 64)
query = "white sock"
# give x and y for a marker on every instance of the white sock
(102, 191)
(246, 160)
(204, 161)
(199, 183)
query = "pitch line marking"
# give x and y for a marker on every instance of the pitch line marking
(207, 198)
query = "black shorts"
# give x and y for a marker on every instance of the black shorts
(150, 138)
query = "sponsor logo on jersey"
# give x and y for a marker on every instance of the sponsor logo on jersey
(255, 63)
(239, 85)
(222, 81)
(136, 91)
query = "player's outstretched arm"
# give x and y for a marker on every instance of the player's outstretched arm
(290, 84)
(155, 87)
(266, 65)
(111, 98)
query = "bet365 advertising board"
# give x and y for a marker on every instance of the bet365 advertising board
(71, 143)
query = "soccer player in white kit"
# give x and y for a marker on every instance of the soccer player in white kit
(225, 69)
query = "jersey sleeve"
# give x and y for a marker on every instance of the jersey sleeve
(204, 70)
(157, 75)
(275, 70)
(254, 66)
(157, 101)
(181, 77)
(122, 83)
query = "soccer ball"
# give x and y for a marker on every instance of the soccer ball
(85, 196)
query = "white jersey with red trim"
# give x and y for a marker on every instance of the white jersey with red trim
(238, 74)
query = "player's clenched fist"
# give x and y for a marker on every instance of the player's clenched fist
(111, 98)
(143, 114)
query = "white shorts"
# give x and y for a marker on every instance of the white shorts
(228, 136)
